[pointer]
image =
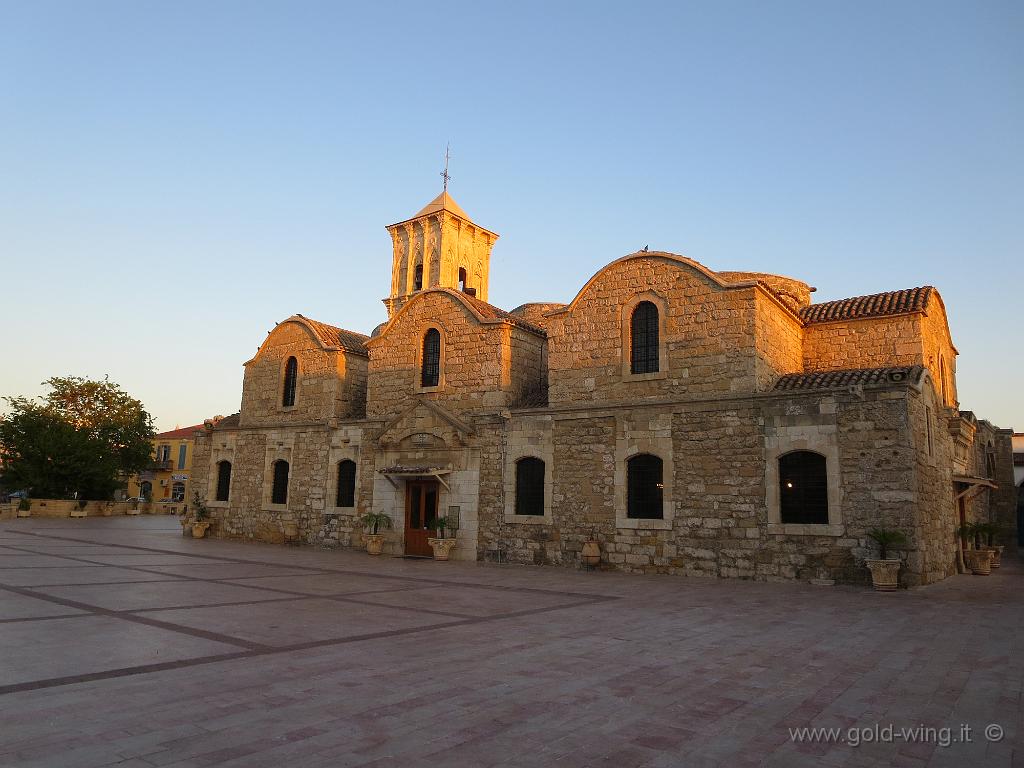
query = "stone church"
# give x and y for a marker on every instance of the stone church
(692, 421)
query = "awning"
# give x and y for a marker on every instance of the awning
(399, 471)
(974, 484)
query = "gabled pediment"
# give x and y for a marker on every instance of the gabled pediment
(424, 417)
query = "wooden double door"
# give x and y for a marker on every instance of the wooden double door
(421, 499)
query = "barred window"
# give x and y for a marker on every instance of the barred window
(644, 487)
(803, 488)
(346, 484)
(178, 491)
(291, 375)
(644, 338)
(431, 371)
(279, 492)
(223, 480)
(529, 486)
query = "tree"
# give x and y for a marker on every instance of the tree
(80, 441)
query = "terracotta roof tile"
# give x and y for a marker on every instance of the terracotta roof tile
(850, 377)
(178, 434)
(491, 312)
(875, 305)
(333, 337)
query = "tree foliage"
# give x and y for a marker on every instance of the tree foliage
(83, 438)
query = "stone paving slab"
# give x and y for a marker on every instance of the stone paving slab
(80, 645)
(15, 607)
(299, 621)
(327, 583)
(158, 595)
(359, 661)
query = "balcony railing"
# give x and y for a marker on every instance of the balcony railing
(158, 466)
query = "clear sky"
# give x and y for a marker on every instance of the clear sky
(175, 177)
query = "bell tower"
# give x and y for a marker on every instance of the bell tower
(439, 247)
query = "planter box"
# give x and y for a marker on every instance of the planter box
(885, 574)
(442, 547)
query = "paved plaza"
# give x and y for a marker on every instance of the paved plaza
(126, 644)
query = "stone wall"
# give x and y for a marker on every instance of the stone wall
(778, 342)
(707, 335)
(935, 554)
(60, 508)
(871, 342)
(483, 365)
(331, 384)
(937, 351)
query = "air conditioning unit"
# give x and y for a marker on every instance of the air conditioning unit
(163, 483)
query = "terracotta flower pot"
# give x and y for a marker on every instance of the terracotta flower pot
(77, 512)
(979, 561)
(374, 543)
(186, 526)
(885, 574)
(442, 547)
(199, 530)
(24, 513)
(590, 554)
(291, 531)
(134, 511)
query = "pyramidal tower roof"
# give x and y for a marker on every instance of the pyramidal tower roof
(443, 202)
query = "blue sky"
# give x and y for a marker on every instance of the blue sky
(176, 177)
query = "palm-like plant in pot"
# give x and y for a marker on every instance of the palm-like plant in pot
(978, 559)
(374, 523)
(442, 544)
(885, 571)
(200, 520)
(989, 533)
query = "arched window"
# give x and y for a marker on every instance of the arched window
(803, 488)
(462, 278)
(644, 487)
(417, 282)
(279, 492)
(346, 484)
(529, 486)
(430, 373)
(178, 491)
(223, 480)
(291, 376)
(643, 336)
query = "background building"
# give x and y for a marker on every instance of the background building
(167, 479)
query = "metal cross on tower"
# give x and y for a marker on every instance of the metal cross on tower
(444, 173)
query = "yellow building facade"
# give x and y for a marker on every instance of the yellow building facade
(167, 479)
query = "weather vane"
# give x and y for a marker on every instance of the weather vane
(444, 173)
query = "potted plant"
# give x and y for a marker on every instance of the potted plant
(990, 532)
(24, 507)
(374, 523)
(979, 560)
(79, 509)
(201, 522)
(884, 571)
(441, 544)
